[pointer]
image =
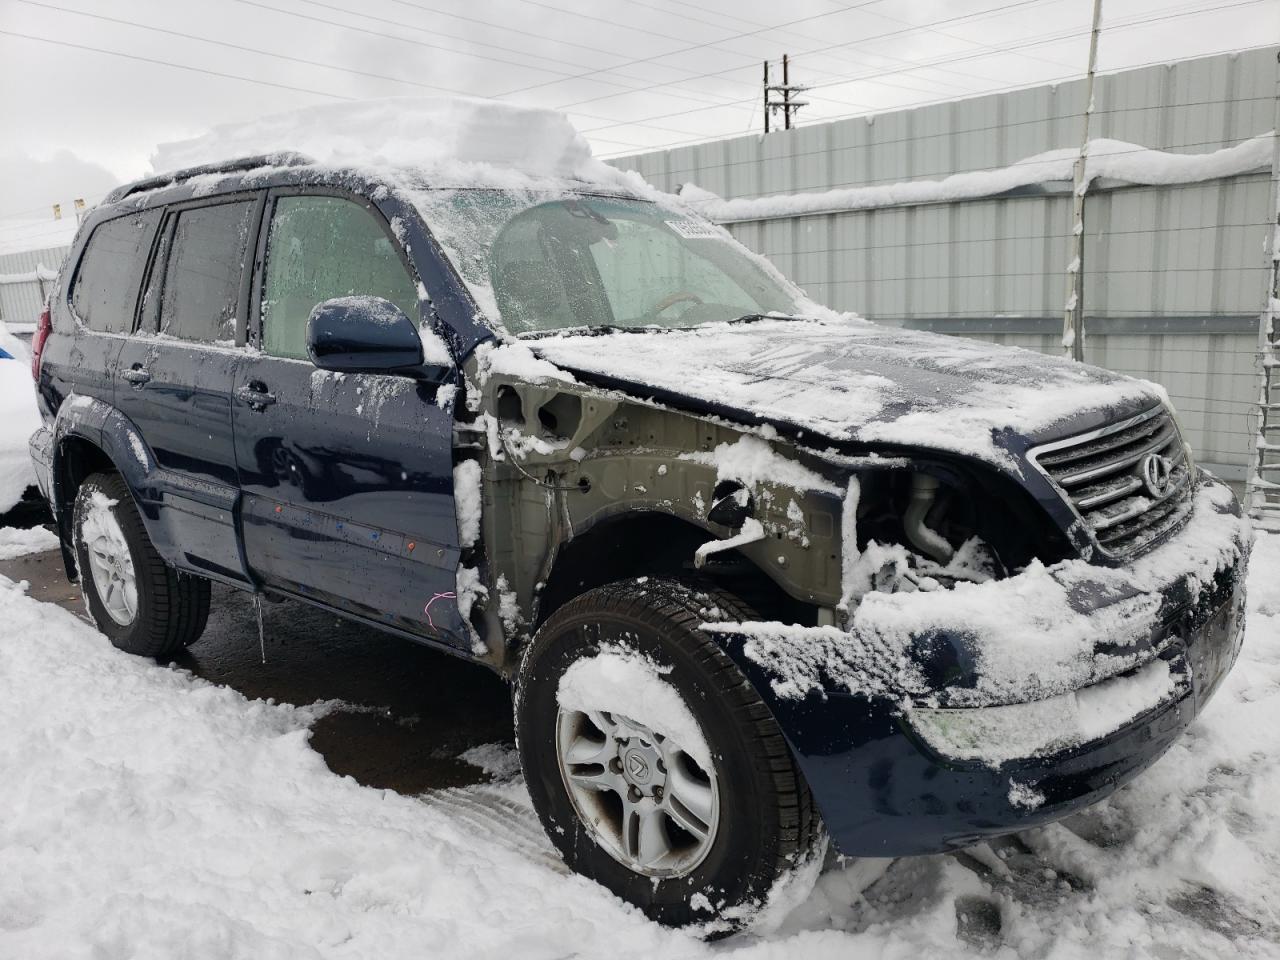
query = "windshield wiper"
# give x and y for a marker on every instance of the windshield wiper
(590, 330)
(753, 317)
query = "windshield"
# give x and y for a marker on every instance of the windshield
(546, 264)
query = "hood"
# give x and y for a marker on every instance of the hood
(852, 381)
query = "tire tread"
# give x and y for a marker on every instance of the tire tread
(797, 822)
(179, 603)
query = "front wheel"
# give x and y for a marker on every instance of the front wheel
(144, 606)
(651, 760)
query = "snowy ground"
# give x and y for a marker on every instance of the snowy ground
(147, 813)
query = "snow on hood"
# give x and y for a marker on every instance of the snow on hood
(460, 139)
(847, 379)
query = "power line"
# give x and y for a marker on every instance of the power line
(291, 59)
(563, 75)
(595, 132)
(667, 8)
(1052, 38)
(719, 73)
(1111, 28)
(685, 49)
(237, 46)
(435, 32)
(1043, 39)
(520, 30)
(912, 106)
(177, 66)
(594, 48)
(1016, 4)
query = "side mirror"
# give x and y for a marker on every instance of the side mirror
(370, 335)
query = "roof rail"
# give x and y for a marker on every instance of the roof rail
(283, 159)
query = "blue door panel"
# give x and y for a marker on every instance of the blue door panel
(184, 412)
(348, 493)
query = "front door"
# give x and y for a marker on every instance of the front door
(347, 479)
(174, 379)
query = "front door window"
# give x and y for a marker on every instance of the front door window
(320, 248)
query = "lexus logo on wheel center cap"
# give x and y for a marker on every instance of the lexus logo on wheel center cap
(1157, 471)
(638, 767)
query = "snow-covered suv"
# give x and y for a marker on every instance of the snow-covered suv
(761, 574)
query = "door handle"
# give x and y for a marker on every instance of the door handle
(135, 375)
(256, 395)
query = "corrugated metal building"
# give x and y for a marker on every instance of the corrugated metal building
(25, 279)
(1174, 274)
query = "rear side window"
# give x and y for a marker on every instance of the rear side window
(202, 277)
(105, 291)
(320, 248)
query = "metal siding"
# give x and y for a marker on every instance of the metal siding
(22, 302)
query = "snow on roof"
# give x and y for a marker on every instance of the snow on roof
(1111, 159)
(461, 139)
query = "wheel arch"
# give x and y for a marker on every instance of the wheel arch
(639, 543)
(90, 437)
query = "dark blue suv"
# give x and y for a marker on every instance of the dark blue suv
(763, 576)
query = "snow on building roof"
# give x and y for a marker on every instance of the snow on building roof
(1107, 159)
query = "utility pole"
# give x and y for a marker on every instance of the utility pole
(766, 96)
(787, 89)
(1073, 310)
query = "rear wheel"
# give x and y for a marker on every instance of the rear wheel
(144, 606)
(651, 760)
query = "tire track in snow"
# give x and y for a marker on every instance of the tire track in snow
(488, 808)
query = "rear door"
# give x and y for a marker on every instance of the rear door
(174, 379)
(104, 299)
(347, 479)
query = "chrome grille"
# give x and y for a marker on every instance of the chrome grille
(1110, 479)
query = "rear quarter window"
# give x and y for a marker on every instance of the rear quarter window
(202, 275)
(105, 291)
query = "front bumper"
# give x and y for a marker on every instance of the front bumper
(884, 789)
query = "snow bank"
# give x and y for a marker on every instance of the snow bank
(452, 138)
(150, 814)
(16, 542)
(1032, 636)
(1110, 159)
(19, 418)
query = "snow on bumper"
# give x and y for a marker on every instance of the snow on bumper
(937, 719)
(1043, 632)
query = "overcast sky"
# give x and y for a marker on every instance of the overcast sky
(78, 117)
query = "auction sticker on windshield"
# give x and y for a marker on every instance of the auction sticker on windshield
(693, 229)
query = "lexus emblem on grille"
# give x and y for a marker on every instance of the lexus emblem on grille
(1157, 471)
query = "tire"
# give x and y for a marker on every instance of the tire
(166, 611)
(766, 824)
